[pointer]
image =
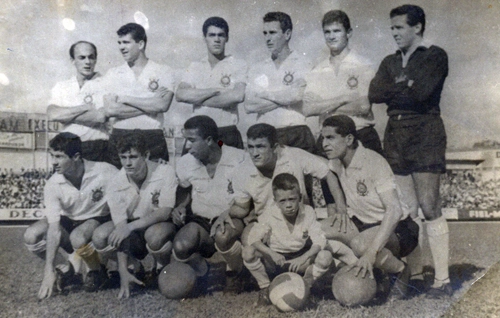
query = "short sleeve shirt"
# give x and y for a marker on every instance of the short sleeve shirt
(121, 80)
(127, 202)
(264, 76)
(210, 196)
(62, 198)
(249, 183)
(223, 76)
(69, 94)
(367, 176)
(352, 75)
(273, 226)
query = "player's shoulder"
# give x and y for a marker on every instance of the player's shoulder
(236, 62)
(234, 154)
(100, 168)
(357, 59)
(437, 52)
(187, 163)
(159, 170)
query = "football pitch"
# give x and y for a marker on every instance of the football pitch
(474, 248)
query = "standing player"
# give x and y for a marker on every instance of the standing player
(287, 238)
(339, 84)
(205, 176)
(216, 85)
(75, 197)
(253, 191)
(141, 91)
(141, 201)
(77, 103)
(410, 82)
(378, 231)
(276, 85)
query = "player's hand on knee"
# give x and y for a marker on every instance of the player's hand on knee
(48, 282)
(343, 220)
(220, 223)
(120, 233)
(179, 216)
(278, 259)
(296, 264)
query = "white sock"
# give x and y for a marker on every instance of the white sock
(258, 271)
(439, 237)
(232, 257)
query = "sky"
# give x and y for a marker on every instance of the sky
(34, 46)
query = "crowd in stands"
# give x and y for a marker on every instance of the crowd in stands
(22, 189)
(465, 189)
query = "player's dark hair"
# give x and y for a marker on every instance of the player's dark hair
(133, 140)
(344, 126)
(336, 16)
(205, 125)
(285, 181)
(135, 30)
(216, 22)
(72, 48)
(414, 15)
(263, 131)
(66, 142)
(281, 17)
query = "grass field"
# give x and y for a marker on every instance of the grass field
(475, 247)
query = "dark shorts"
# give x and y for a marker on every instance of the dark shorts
(406, 232)
(231, 136)
(69, 225)
(415, 143)
(96, 150)
(206, 250)
(297, 136)
(288, 256)
(135, 245)
(154, 139)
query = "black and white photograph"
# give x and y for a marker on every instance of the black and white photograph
(288, 158)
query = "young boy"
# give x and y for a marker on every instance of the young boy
(287, 238)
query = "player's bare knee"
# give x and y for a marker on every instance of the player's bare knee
(184, 247)
(248, 254)
(158, 234)
(358, 245)
(226, 240)
(324, 259)
(32, 235)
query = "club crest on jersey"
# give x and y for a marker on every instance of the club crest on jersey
(97, 194)
(88, 99)
(230, 189)
(153, 84)
(305, 234)
(288, 78)
(155, 198)
(361, 188)
(352, 82)
(225, 80)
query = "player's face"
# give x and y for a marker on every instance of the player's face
(276, 39)
(336, 37)
(261, 152)
(288, 201)
(133, 162)
(334, 145)
(404, 34)
(61, 162)
(85, 59)
(216, 40)
(130, 49)
(196, 145)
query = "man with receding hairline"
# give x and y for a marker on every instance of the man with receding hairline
(77, 103)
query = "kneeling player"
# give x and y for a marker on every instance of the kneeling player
(141, 202)
(286, 238)
(75, 197)
(375, 226)
(205, 181)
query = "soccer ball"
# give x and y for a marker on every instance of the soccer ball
(288, 292)
(176, 280)
(350, 290)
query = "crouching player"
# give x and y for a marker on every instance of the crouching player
(286, 238)
(75, 197)
(141, 202)
(375, 226)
